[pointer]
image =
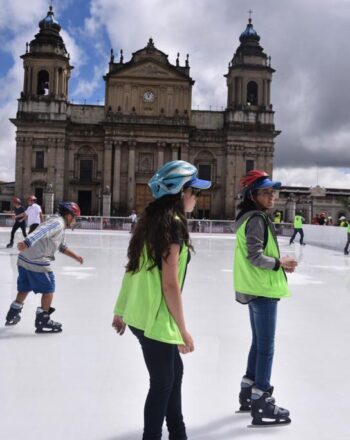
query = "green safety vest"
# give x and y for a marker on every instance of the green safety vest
(298, 222)
(277, 218)
(348, 229)
(141, 302)
(252, 280)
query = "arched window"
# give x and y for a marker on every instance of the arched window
(252, 93)
(43, 83)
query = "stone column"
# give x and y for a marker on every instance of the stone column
(107, 163)
(59, 168)
(50, 160)
(174, 151)
(116, 177)
(160, 155)
(290, 208)
(268, 92)
(31, 85)
(241, 91)
(27, 167)
(19, 190)
(131, 176)
(106, 202)
(185, 151)
(230, 183)
(49, 198)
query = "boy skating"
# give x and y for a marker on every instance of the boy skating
(34, 270)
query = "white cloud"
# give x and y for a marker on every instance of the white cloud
(86, 88)
(327, 177)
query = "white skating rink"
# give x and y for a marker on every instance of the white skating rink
(87, 383)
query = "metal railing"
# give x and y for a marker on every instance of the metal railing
(124, 224)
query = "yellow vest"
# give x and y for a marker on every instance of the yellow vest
(252, 280)
(141, 302)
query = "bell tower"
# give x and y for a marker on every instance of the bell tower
(46, 72)
(249, 116)
(249, 82)
(42, 115)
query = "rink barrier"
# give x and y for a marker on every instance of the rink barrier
(99, 223)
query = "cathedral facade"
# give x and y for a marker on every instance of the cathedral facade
(82, 151)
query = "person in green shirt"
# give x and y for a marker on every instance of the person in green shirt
(259, 282)
(342, 222)
(149, 301)
(298, 228)
(346, 249)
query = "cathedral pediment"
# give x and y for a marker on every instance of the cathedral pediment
(149, 69)
(148, 62)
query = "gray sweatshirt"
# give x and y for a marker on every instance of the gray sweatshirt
(42, 244)
(256, 228)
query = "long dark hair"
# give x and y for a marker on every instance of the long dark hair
(247, 204)
(161, 224)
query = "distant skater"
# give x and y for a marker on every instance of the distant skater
(34, 267)
(34, 214)
(298, 228)
(150, 300)
(133, 217)
(259, 282)
(19, 220)
(346, 249)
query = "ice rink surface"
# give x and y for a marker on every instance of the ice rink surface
(87, 383)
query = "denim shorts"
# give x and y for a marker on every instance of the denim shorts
(38, 282)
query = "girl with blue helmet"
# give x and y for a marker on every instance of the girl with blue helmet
(149, 301)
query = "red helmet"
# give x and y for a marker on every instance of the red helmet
(69, 207)
(32, 198)
(16, 200)
(252, 177)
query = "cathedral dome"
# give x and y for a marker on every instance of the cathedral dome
(49, 22)
(249, 33)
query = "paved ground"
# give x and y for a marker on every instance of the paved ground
(89, 384)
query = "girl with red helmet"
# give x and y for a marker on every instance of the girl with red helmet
(260, 281)
(34, 267)
(20, 216)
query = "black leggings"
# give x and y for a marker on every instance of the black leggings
(296, 231)
(165, 368)
(16, 226)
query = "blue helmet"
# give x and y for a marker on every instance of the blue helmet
(173, 176)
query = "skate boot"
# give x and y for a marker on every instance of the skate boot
(265, 412)
(14, 314)
(10, 245)
(245, 395)
(346, 252)
(43, 322)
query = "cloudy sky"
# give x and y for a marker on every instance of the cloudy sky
(308, 41)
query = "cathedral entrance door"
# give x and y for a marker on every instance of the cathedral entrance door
(143, 197)
(203, 206)
(84, 201)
